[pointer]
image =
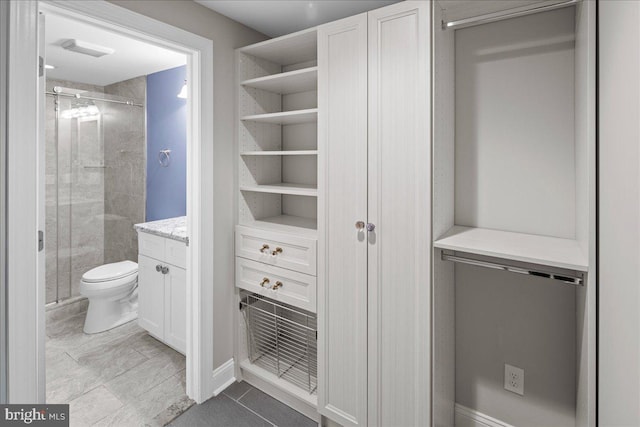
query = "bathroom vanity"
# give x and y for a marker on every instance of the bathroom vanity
(162, 280)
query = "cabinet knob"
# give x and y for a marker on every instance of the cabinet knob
(158, 268)
(278, 284)
(370, 226)
(276, 251)
(265, 248)
(265, 280)
(165, 270)
(360, 225)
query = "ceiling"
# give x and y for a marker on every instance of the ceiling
(277, 17)
(132, 58)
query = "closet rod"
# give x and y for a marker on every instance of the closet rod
(572, 279)
(505, 14)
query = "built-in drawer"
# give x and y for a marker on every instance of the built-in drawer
(151, 245)
(291, 287)
(278, 249)
(175, 253)
(163, 249)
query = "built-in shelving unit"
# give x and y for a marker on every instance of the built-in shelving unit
(277, 214)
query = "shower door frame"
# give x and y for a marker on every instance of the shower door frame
(26, 374)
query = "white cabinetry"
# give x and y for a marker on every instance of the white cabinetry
(374, 167)
(162, 291)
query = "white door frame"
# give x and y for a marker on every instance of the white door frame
(25, 284)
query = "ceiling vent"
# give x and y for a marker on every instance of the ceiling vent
(87, 48)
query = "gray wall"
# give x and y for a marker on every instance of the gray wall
(514, 125)
(619, 214)
(226, 35)
(515, 171)
(125, 172)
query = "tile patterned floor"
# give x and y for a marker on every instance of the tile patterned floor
(122, 377)
(242, 405)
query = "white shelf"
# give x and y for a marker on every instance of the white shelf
(281, 153)
(283, 188)
(292, 390)
(305, 227)
(550, 251)
(286, 117)
(291, 82)
(286, 50)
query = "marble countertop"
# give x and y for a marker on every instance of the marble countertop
(172, 228)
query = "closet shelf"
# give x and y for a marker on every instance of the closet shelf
(288, 49)
(305, 227)
(283, 188)
(281, 153)
(302, 80)
(285, 117)
(543, 250)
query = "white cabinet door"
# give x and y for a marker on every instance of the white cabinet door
(399, 185)
(176, 308)
(342, 248)
(151, 296)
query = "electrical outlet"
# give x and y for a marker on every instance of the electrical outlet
(514, 379)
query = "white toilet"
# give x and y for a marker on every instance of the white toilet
(112, 290)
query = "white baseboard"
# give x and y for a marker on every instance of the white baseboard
(467, 417)
(223, 377)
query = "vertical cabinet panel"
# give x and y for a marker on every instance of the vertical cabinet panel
(176, 307)
(342, 258)
(150, 296)
(399, 206)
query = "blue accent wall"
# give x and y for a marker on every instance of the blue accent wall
(166, 129)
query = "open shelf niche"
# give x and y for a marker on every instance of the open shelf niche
(513, 188)
(277, 133)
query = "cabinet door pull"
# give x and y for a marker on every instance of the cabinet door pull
(165, 270)
(276, 251)
(277, 285)
(158, 268)
(265, 249)
(265, 280)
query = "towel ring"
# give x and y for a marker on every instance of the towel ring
(164, 158)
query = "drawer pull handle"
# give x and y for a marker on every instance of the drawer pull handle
(277, 285)
(265, 248)
(265, 280)
(276, 251)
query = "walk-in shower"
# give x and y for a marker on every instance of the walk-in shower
(95, 179)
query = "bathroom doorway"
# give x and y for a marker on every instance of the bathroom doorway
(198, 52)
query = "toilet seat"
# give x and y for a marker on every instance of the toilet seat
(109, 272)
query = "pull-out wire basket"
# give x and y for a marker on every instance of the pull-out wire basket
(282, 339)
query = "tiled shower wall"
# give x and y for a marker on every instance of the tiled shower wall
(95, 183)
(125, 158)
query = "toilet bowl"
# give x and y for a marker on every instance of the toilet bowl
(112, 290)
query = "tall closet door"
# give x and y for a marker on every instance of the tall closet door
(342, 247)
(399, 272)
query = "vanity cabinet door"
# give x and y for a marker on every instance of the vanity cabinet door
(151, 296)
(176, 308)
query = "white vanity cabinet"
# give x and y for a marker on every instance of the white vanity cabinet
(162, 291)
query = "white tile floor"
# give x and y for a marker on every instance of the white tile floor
(122, 377)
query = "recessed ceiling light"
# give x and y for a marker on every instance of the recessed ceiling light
(49, 67)
(87, 48)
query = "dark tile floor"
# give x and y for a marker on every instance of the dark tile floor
(242, 405)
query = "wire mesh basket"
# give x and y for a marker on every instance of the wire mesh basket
(282, 339)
